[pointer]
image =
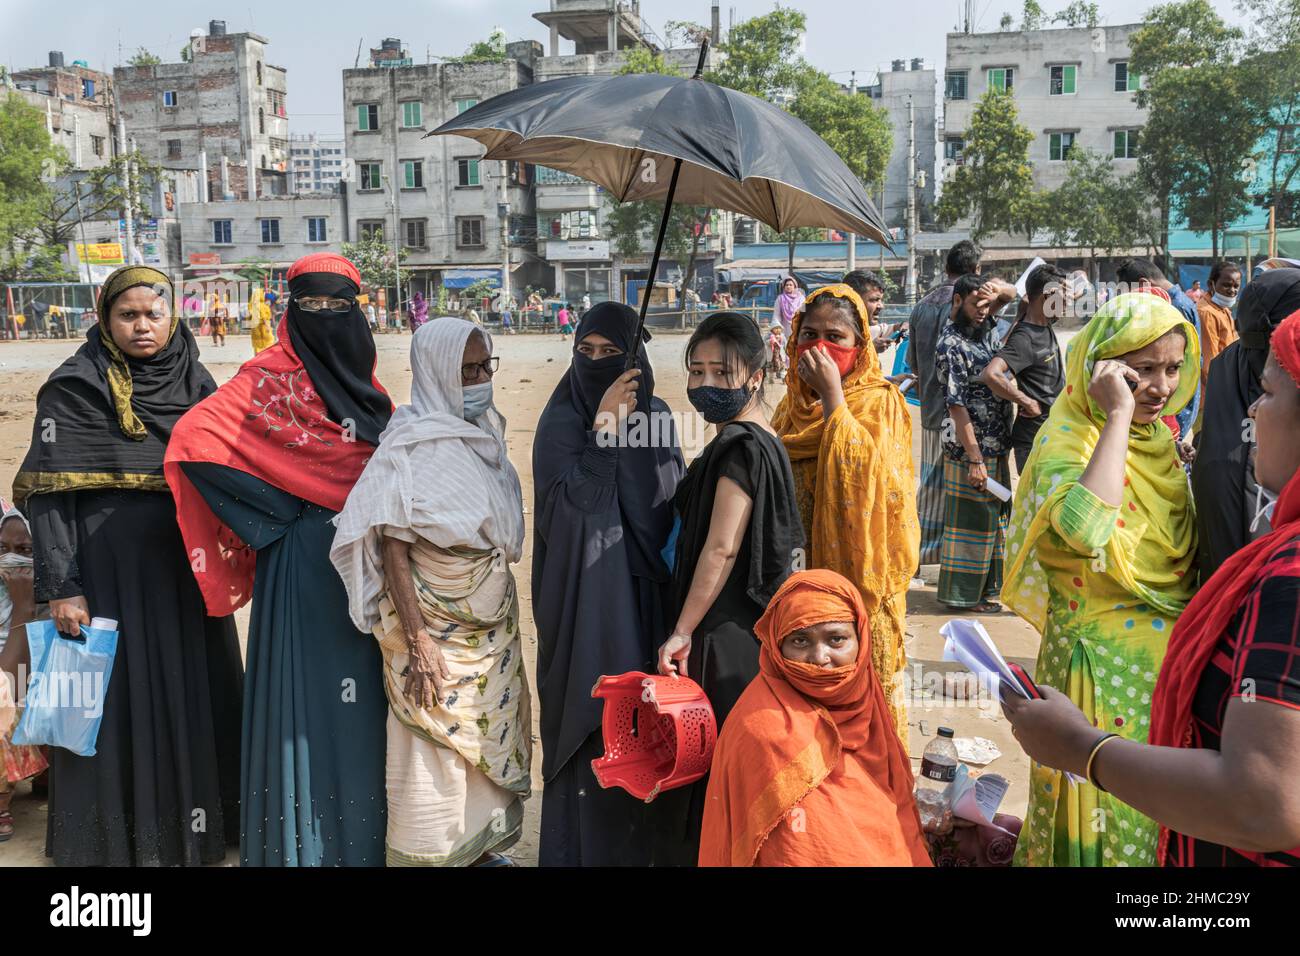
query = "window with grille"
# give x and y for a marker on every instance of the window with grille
(1062, 80)
(954, 84)
(1059, 145)
(368, 175)
(221, 232)
(316, 231)
(469, 231)
(1002, 78)
(371, 229)
(271, 232)
(1126, 144)
(414, 232)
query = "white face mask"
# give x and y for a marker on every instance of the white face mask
(477, 400)
(1223, 300)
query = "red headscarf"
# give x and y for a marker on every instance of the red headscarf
(1208, 615)
(799, 731)
(269, 422)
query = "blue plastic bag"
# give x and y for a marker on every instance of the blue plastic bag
(65, 699)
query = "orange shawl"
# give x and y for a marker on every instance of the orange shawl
(864, 517)
(808, 770)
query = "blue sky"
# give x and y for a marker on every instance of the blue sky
(315, 40)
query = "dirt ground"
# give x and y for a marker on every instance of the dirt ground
(530, 367)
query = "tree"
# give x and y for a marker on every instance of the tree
(1199, 118)
(1079, 14)
(762, 55)
(1272, 63)
(29, 163)
(491, 50)
(1095, 209)
(994, 186)
(686, 32)
(98, 194)
(143, 57)
(1032, 16)
(1006, 22)
(373, 258)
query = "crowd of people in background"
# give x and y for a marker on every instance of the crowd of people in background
(382, 712)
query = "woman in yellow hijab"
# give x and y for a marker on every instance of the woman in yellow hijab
(849, 438)
(259, 315)
(1101, 548)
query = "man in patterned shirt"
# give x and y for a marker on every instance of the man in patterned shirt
(976, 441)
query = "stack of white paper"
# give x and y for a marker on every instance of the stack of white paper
(967, 643)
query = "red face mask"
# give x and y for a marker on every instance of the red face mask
(845, 357)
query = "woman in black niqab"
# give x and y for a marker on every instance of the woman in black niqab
(1223, 477)
(603, 517)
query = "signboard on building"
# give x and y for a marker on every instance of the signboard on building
(100, 253)
(205, 258)
(938, 241)
(578, 250)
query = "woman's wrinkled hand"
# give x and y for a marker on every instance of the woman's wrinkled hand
(426, 671)
(673, 655)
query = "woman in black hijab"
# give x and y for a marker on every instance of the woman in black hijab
(603, 485)
(1223, 477)
(106, 544)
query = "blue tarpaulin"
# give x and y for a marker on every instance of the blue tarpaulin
(464, 278)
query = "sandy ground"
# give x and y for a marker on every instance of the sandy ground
(530, 367)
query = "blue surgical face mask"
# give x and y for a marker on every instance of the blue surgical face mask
(719, 404)
(478, 399)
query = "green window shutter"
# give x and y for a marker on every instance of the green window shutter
(1118, 150)
(1067, 85)
(1134, 81)
(473, 172)
(362, 116)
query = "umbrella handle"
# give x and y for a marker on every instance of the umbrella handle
(663, 229)
(654, 267)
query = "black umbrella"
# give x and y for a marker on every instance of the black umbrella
(649, 136)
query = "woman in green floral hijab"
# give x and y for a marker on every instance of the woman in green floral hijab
(1101, 546)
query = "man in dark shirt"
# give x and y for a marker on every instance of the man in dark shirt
(929, 316)
(1029, 371)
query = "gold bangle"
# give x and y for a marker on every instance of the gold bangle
(1087, 770)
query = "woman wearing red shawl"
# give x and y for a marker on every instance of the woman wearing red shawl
(808, 770)
(258, 471)
(1220, 769)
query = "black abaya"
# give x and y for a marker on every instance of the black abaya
(162, 787)
(724, 650)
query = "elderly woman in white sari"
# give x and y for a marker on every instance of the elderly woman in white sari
(424, 547)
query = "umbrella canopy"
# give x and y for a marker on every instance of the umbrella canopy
(626, 132)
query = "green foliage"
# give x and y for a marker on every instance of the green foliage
(255, 269)
(994, 186)
(374, 260)
(491, 50)
(1201, 130)
(1079, 14)
(853, 126)
(143, 57)
(1032, 16)
(29, 165)
(1006, 22)
(1272, 67)
(102, 193)
(1096, 209)
(478, 290)
(763, 54)
(644, 60)
(685, 33)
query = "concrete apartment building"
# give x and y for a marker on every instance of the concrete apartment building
(216, 236)
(908, 82)
(78, 106)
(221, 113)
(1072, 86)
(571, 212)
(316, 163)
(459, 218)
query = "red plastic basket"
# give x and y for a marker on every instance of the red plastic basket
(659, 733)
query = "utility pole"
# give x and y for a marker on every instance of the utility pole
(911, 203)
(503, 210)
(127, 213)
(1272, 231)
(397, 213)
(853, 239)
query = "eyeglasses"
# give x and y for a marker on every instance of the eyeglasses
(316, 303)
(489, 368)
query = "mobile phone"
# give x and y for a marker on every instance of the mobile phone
(1026, 682)
(898, 333)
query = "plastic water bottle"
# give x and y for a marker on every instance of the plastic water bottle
(938, 769)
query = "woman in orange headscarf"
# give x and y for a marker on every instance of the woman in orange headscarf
(849, 437)
(808, 770)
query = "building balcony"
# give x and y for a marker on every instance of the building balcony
(579, 195)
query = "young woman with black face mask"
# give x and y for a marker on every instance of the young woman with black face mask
(738, 540)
